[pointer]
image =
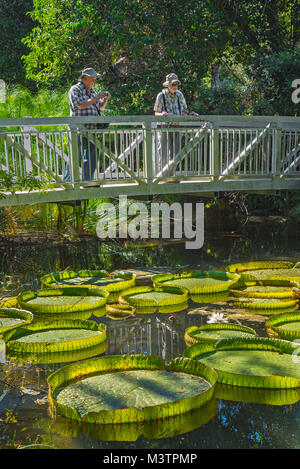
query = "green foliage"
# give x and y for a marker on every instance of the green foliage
(14, 25)
(10, 182)
(20, 102)
(151, 39)
(273, 75)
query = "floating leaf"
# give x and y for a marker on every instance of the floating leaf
(250, 362)
(54, 336)
(212, 333)
(130, 388)
(198, 282)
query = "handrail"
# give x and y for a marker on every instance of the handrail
(147, 119)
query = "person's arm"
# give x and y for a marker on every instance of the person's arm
(91, 101)
(185, 111)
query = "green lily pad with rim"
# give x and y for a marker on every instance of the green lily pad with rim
(10, 318)
(250, 362)
(89, 278)
(54, 336)
(212, 333)
(119, 311)
(58, 357)
(198, 282)
(285, 325)
(65, 300)
(129, 388)
(281, 289)
(265, 303)
(266, 270)
(163, 298)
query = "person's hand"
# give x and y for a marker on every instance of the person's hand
(192, 113)
(103, 95)
(164, 113)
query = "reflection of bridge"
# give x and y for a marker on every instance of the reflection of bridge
(152, 337)
(203, 155)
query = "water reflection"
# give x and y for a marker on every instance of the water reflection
(156, 429)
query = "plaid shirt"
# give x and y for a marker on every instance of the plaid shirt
(78, 94)
(172, 103)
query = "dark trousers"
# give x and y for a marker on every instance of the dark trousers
(88, 155)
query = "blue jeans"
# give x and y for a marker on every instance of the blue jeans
(87, 153)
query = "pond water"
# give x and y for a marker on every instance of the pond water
(236, 423)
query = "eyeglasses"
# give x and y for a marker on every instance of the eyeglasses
(174, 84)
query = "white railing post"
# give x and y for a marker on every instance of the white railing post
(27, 146)
(214, 153)
(148, 166)
(276, 152)
(74, 160)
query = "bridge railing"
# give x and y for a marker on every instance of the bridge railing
(140, 149)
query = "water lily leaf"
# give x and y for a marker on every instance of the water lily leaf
(266, 270)
(10, 318)
(198, 282)
(162, 298)
(63, 300)
(250, 362)
(89, 278)
(285, 325)
(212, 333)
(130, 388)
(54, 336)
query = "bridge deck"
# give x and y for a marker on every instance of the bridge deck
(145, 155)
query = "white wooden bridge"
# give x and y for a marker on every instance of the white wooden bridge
(202, 155)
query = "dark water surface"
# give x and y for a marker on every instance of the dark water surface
(226, 423)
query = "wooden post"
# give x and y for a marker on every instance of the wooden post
(148, 168)
(74, 163)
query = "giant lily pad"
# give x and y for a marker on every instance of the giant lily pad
(198, 282)
(281, 289)
(12, 317)
(89, 278)
(54, 336)
(285, 325)
(130, 388)
(264, 303)
(63, 300)
(250, 362)
(58, 357)
(212, 333)
(266, 270)
(163, 298)
(119, 311)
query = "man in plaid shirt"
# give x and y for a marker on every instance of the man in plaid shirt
(83, 101)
